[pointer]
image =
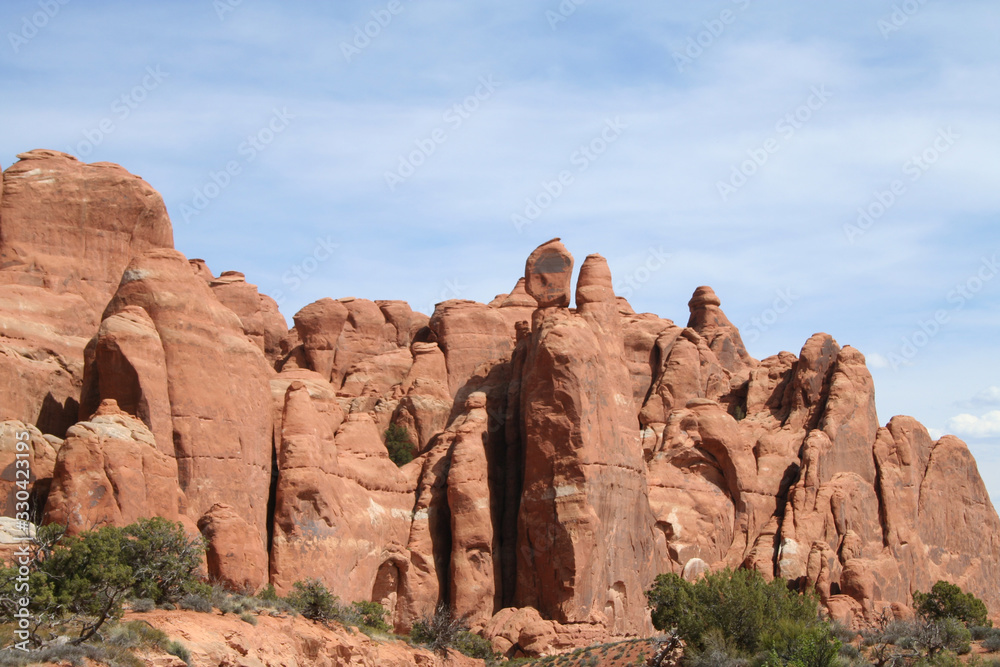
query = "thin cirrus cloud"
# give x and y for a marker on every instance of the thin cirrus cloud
(447, 230)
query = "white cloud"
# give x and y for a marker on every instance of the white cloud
(986, 426)
(876, 360)
(987, 397)
(936, 433)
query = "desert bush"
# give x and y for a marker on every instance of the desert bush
(247, 617)
(178, 649)
(136, 634)
(312, 599)
(268, 594)
(438, 631)
(474, 646)
(715, 651)
(943, 659)
(795, 642)
(992, 641)
(88, 577)
(369, 615)
(142, 605)
(977, 661)
(195, 602)
(444, 630)
(742, 615)
(397, 441)
(949, 601)
(938, 635)
(163, 560)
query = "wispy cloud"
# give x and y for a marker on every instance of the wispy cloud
(656, 187)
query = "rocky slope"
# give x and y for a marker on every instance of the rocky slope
(284, 641)
(564, 456)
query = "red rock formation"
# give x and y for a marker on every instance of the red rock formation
(236, 558)
(586, 542)
(342, 510)
(110, 472)
(34, 472)
(69, 230)
(258, 313)
(719, 333)
(565, 457)
(217, 381)
(127, 364)
(548, 274)
(424, 408)
(318, 326)
(473, 575)
(471, 335)
(74, 227)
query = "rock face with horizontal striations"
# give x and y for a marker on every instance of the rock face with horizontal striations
(563, 456)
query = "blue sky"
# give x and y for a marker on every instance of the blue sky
(728, 143)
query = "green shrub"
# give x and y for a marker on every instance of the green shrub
(178, 649)
(370, 615)
(936, 635)
(439, 631)
(136, 634)
(749, 614)
(715, 651)
(949, 601)
(992, 642)
(794, 642)
(397, 441)
(88, 577)
(312, 599)
(163, 560)
(945, 659)
(247, 617)
(195, 602)
(142, 605)
(474, 646)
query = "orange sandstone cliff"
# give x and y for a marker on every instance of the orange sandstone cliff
(564, 456)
